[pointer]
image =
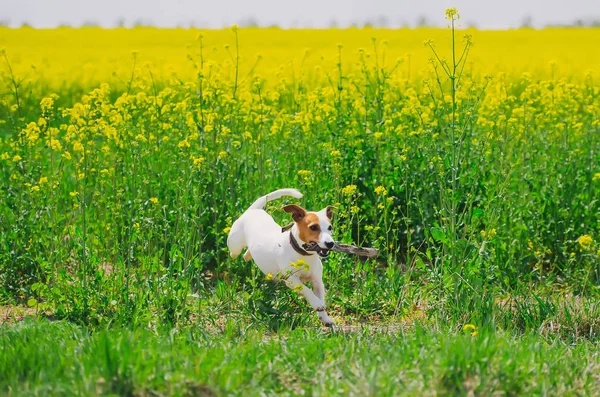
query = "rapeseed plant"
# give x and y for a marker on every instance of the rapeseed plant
(450, 168)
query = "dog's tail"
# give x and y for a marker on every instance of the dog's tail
(261, 202)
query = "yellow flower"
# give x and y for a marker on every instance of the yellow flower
(452, 14)
(596, 176)
(54, 144)
(35, 188)
(300, 263)
(198, 161)
(43, 180)
(73, 194)
(354, 209)
(184, 144)
(585, 241)
(335, 153)
(77, 146)
(380, 191)
(269, 276)
(489, 233)
(17, 158)
(222, 155)
(470, 328)
(153, 200)
(226, 230)
(46, 104)
(349, 190)
(298, 288)
(32, 132)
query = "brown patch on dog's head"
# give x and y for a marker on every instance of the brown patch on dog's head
(309, 228)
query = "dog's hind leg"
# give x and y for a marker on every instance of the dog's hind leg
(236, 240)
(247, 255)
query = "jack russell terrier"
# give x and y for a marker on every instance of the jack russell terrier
(279, 253)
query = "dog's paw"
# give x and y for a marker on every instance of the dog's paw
(326, 321)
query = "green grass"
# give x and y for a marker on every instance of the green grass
(63, 359)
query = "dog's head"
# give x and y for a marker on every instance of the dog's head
(313, 227)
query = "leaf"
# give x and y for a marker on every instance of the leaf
(439, 235)
(31, 302)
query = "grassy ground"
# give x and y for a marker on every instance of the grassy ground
(65, 359)
(481, 193)
(269, 343)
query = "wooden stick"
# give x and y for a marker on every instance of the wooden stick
(347, 249)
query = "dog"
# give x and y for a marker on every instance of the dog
(277, 251)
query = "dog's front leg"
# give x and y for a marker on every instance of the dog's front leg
(319, 290)
(294, 283)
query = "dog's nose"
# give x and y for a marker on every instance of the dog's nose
(329, 244)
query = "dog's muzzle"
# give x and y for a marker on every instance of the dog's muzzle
(313, 246)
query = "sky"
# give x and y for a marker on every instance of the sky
(485, 14)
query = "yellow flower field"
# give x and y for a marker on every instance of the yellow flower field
(88, 56)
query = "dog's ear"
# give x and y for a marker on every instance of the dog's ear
(329, 211)
(297, 212)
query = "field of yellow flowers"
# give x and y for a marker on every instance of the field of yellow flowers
(470, 158)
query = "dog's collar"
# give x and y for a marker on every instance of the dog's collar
(297, 247)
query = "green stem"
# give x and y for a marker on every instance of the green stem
(454, 160)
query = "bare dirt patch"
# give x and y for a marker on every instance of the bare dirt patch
(11, 314)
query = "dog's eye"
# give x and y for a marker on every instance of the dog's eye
(314, 227)
(330, 228)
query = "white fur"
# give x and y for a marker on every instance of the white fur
(325, 224)
(273, 253)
